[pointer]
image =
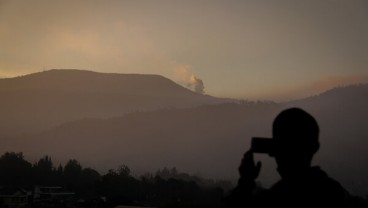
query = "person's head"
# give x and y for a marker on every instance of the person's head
(295, 133)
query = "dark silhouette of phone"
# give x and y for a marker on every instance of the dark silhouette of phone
(262, 145)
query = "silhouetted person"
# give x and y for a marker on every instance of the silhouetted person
(295, 136)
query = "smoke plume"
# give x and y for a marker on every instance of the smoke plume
(197, 84)
(185, 76)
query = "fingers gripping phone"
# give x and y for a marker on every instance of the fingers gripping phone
(262, 145)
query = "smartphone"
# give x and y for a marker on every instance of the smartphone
(262, 145)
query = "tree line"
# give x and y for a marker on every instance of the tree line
(165, 188)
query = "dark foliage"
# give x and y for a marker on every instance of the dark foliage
(14, 170)
(167, 188)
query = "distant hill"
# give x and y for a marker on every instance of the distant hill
(41, 100)
(82, 81)
(207, 139)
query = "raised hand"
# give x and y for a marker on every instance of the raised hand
(248, 170)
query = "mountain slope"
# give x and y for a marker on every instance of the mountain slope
(39, 101)
(211, 139)
(78, 81)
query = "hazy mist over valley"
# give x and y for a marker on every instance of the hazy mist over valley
(149, 122)
(171, 103)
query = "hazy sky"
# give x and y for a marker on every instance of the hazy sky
(246, 49)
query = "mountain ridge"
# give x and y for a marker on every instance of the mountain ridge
(211, 139)
(89, 81)
(41, 100)
(206, 137)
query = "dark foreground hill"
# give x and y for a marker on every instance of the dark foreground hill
(42, 100)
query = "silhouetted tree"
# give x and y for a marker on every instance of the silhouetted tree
(73, 175)
(118, 185)
(14, 170)
(124, 171)
(59, 175)
(89, 182)
(44, 171)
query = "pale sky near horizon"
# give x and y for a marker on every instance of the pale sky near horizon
(251, 49)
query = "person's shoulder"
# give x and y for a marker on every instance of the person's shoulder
(329, 186)
(322, 178)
